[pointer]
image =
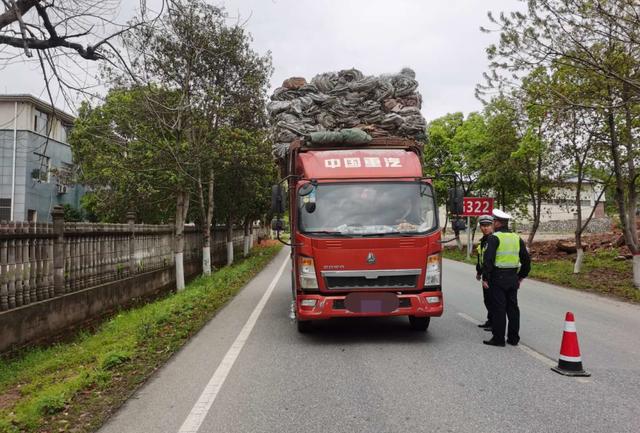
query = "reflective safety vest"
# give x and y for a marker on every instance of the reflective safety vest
(481, 252)
(508, 252)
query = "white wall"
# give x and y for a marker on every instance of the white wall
(26, 113)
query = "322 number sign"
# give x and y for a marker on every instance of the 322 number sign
(476, 206)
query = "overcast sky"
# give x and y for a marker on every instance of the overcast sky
(439, 39)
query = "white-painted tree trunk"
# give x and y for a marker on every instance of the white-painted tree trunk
(459, 242)
(206, 260)
(636, 271)
(247, 246)
(577, 266)
(179, 272)
(182, 207)
(229, 253)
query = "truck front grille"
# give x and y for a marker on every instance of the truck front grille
(389, 281)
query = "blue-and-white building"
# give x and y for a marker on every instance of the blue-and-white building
(35, 159)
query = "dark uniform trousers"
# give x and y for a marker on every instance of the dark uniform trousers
(503, 292)
(486, 297)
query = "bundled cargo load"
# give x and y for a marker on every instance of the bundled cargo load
(345, 106)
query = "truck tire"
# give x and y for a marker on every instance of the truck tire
(304, 326)
(419, 323)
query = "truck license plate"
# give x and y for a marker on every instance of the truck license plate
(371, 302)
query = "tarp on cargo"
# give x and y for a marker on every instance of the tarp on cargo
(387, 105)
(343, 136)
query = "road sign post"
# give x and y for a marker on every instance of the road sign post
(468, 238)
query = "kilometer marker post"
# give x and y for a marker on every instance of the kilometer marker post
(468, 238)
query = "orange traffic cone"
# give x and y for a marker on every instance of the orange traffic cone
(570, 361)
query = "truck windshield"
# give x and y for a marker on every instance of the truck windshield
(375, 208)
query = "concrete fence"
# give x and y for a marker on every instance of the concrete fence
(56, 275)
(39, 261)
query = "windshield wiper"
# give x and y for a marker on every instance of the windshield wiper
(404, 234)
(326, 232)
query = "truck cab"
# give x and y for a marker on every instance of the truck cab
(364, 233)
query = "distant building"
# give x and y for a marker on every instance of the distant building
(35, 159)
(562, 203)
(558, 212)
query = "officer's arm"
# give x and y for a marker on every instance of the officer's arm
(478, 267)
(525, 261)
(488, 260)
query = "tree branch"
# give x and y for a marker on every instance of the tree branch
(10, 16)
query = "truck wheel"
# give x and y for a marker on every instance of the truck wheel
(304, 326)
(419, 323)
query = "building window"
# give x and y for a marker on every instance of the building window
(66, 132)
(42, 174)
(5, 209)
(41, 123)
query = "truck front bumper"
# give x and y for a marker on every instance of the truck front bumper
(319, 307)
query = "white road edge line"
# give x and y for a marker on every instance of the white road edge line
(469, 318)
(201, 408)
(537, 355)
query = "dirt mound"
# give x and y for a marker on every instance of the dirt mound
(551, 250)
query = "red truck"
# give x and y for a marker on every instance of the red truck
(365, 236)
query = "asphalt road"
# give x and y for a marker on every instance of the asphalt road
(376, 375)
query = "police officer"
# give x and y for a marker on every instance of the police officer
(506, 263)
(486, 226)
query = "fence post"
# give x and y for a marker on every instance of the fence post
(131, 220)
(58, 250)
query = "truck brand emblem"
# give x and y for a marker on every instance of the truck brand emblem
(371, 259)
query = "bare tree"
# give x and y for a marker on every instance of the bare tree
(66, 37)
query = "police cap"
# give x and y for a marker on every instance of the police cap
(500, 215)
(485, 219)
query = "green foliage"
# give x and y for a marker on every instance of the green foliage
(501, 171)
(95, 373)
(157, 136)
(114, 359)
(246, 173)
(453, 253)
(482, 150)
(129, 155)
(72, 214)
(50, 404)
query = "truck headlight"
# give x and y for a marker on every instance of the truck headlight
(434, 271)
(307, 273)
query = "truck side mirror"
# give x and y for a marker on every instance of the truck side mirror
(278, 199)
(456, 199)
(458, 225)
(277, 225)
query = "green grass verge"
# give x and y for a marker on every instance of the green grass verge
(600, 273)
(75, 386)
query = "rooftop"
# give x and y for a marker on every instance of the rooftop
(40, 104)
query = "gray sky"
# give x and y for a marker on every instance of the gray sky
(439, 39)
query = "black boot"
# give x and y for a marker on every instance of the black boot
(494, 342)
(485, 325)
